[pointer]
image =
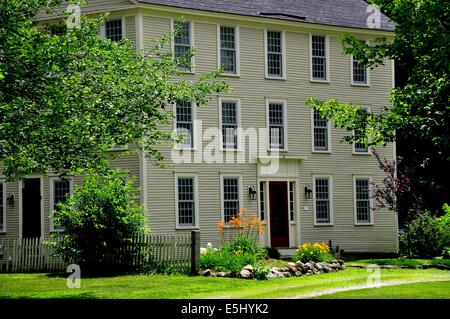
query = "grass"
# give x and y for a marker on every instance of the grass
(425, 290)
(412, 263)
(182, 287)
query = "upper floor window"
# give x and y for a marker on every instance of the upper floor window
(321, 132)
(183, 43)
(231, 198)
(228, 49)
(60, 190)
(229, 120)
(360, 73)
(185, 123)
(361, 146)
(275, 59)
(114, 29)
(322, 200)
(186, 201)
(2, 206)
(319, 63)
(362, 200)
(277, 125)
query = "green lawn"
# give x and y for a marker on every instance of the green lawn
(159, 286)
(402, 262)
(424, 290)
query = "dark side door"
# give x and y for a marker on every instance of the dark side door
(31, 208)
(279, 222)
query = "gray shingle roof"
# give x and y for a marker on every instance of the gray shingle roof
(343, 13)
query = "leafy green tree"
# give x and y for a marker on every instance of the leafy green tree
(419, 118)
(66, 100)
(98, 220)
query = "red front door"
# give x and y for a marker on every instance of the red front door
(279, 222)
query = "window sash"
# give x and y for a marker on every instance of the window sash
(182, 44)
(321, 140)
(322, 198)
(114, 29)
(228, 49)
(61, 189)
(2, 207)
(291, 201)
(363, 209)
(186, 201)
(185, 123)
(276, 125)
(361, 147)
(275, 53)
(231, 198)
(319, 57)
(262, 202)
(230, 124)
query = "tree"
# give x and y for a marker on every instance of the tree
(98, 220)
(66, 100)
(419, 118)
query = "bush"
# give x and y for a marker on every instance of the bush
(317, 252)
(260, 271)
(273, 253)
(245, 245)
(425, 237)
(98, 219)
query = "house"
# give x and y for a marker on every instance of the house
(260, 146)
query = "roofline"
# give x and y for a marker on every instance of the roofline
(235, 16)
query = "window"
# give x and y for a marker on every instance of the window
(182, 44)
(61, 189)
(362, 198)
(362, 146)
(2, 206)
(276, 125)
(229, 124)
(274, 53)
(321, 133)
(228, 49)
(322, 200)
(231, 200)
(114, 29)
(319, 67)
(186, 201)
(291, 201)
(185, 123)
(262, 202)
(360, 73)
(58, 29)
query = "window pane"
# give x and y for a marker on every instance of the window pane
(184, 118)
(186, 201)
(262, 209)
(182, 44)
(113, 29)
(230, 197)
(228, 49)
(322, 200)
(361, 147)
(359, 71)
(274, 53)
(61, 192)
(276, 125)
(320, 132)
(229, 124)
(291, 201)
(363, 200)
(319, 60)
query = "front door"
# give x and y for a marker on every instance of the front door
(31, 208)
(279, 222)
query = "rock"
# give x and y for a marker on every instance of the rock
(319, 266)
(249, 268)
(271, 276)
(287, 274)
(327, 268)
(246, 274)
(207, 273)
(309, 273)
(284, 269)
(335, 266)
(315, 271)
(292, 269)
(299, 264)
(221, 274)
(298, 273)
(291, 264)
(308, 266)
(340, 262)
(275, 270)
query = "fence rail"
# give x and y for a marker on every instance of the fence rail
(178, 252)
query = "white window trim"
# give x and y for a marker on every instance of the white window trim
(327, 56)
(222, 208)
(265, 192)
(351, 73)
(103, 27)
(193, 147)
(191, 36)
(355, 177)
(285, 106)
(283, 52)
(330, 184)
(294, 221)
(330, 150)
(369, 149)
(52, 200)
(238, 50)
(196, 216)
(5, 194)
(239, 129)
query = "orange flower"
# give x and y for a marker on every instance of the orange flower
(220, 226)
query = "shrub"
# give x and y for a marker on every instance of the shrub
(221, 260)
(98, 219)
(425, 237)
(317, 252)
(260, 271)
(273, 253)
(245, 245)
(446, 253)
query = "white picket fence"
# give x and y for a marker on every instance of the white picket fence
(28, 255)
